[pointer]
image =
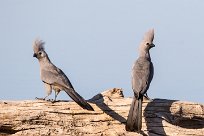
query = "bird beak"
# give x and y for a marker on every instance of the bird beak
(35, 55)
(152, 45)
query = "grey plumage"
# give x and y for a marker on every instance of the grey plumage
(142, 74)
(54, 78)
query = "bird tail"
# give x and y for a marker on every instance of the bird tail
(78, 99)
(134, 120)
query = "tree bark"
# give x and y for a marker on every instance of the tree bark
(160, 117)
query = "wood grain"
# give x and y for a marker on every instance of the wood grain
(160, 117)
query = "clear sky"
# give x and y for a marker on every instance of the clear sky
(96, 42)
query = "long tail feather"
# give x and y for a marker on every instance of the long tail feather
(78, 99)
(134, 120)
(139, 121)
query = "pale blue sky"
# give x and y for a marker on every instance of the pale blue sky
(96, 42)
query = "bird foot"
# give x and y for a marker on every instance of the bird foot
(52, 100)
(146, 97)
(39, 98)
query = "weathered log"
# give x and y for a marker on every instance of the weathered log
(160, 117)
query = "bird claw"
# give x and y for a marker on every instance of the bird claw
(51, 100)
(146, 97)
(39, 98)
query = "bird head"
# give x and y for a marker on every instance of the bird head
(147, 42)
(39, 50)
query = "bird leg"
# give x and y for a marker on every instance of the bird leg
(56, 93)
(55, 98)
(147, 97)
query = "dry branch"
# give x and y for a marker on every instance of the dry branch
(160, 117)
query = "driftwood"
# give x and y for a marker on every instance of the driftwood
(160, 117)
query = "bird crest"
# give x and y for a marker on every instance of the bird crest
(149, 36)
(38, 45)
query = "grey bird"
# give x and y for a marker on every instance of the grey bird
(142, 74)
(54, 78)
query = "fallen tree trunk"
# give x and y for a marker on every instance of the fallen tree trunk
(160, 117)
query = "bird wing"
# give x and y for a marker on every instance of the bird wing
(55, 76)
(141, 76)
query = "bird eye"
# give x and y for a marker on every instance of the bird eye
(147, 43)
(40, 53)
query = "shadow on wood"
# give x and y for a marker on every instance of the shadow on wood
(161, 113)
(105, 108)
(154, 113)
